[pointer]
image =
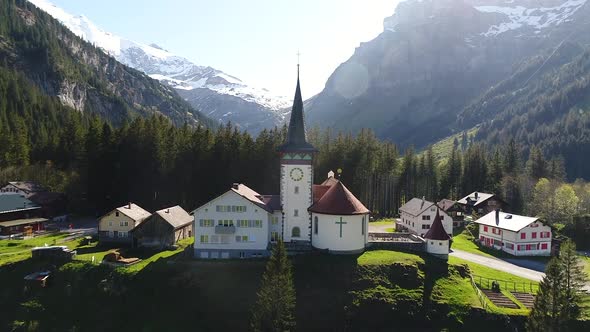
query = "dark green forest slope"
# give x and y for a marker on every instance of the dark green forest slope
(546, 103)
(80, 75)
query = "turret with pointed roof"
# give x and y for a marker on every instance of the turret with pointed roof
(296, 141)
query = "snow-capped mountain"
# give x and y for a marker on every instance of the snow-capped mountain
(213, 92)
(434, 57)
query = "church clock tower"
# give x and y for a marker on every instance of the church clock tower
(296, 175)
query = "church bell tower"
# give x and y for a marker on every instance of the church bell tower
(296, 175)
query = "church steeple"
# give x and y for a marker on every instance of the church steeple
(296, 134)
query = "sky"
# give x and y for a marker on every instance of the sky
(254, 40)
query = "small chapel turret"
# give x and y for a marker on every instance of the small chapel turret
(296, 175)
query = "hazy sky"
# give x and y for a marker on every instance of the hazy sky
(254, 40)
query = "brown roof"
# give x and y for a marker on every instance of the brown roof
(338, 200)
(330, 181)
(445, 204)
(437, 231)
(28, 186)
(319, 191)
(416, 206)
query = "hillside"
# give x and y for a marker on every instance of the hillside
(373, 291)
(220, 96)
(435, 57)
(550, 109)
(82, 76)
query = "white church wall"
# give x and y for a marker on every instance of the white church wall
(437, 247)
(210, 236)
(328, 235)
(296, 198)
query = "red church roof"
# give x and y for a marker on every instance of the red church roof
(337, 200)
(437, 231)
(319, 190)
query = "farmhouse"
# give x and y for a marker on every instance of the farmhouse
(24, 188)
(454, 210)
(417, 216)
(514, 234)
(243, 223)
(481, 203)
(116, 225)
(163, 228)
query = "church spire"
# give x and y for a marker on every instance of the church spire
(296, 134)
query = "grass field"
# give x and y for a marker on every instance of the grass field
(384, 257)
(17, 250)
(464, 242)
(442, 149)
(586, 261)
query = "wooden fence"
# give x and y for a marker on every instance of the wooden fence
(525, 287)
(482, 297)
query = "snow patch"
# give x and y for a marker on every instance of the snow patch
(537, 18)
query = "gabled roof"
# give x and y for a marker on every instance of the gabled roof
(133, 211)
(176, 216)
(446, 204)
(506, 221)
(437, 231)
(471, 200)
(19, 222)
(338, 200)
(28, 186)
(416, 206)
(251, 195)
(15, 202)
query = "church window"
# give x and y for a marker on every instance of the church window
(296, 189)
(295, 213)
(363, 226)
(315, 225)
(296, 232)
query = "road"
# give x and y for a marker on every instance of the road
(499, 264)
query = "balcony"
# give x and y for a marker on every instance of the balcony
(220, 229)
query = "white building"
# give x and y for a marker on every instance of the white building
(417, 216)
(514, 234)
(437, 239)
(23, 188)
(243, 223)
(116, 225)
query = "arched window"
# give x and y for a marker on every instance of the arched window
(363, 225)
(296, 232)
(315, 225)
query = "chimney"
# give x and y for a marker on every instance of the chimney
(235, 186)
(476, 195)
(168, 210)
(497, 217)
(423, 199)
(129, 206)
(330, 174)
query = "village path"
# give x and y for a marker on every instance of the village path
(499, 264)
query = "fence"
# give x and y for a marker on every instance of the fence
(525, 287)
(480, 295)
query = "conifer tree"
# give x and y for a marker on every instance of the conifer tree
(550, 301)
(574, 279)
(275, 303)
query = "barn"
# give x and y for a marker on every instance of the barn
(163, 228)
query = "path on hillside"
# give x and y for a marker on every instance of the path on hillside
(498, 264)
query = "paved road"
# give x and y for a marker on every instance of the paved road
(499, 264)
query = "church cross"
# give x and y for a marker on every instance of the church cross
(298, 54)
(341, 223)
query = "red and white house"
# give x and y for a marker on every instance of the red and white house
(514, 234)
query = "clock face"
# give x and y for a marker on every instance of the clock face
(296, 174)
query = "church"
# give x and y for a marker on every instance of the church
(242, 223)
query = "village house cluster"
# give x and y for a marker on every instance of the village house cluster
(242, 223)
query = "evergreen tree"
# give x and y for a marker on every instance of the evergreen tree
(574, 279)
(275, 303)
(511, 158)
(536, 165)
(546, 315)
